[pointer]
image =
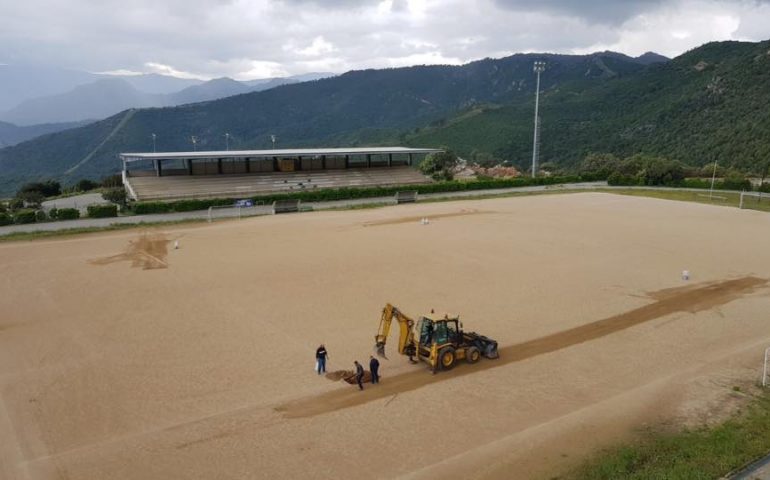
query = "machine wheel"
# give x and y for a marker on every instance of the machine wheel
(472, 355)
(446, 358)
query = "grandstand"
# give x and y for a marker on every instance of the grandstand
(238, 174)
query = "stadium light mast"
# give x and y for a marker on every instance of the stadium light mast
(227, 142)
(538, 68)
(153, 143)
(272, 138)
(194, 141)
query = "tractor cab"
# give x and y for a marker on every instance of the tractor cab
(439, 329)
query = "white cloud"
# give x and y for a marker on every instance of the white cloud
(154, 67)
(265, 38)
(319, 47)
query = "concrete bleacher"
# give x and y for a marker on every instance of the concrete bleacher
(178, 187)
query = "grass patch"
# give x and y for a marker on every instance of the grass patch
(704, 453)
(727, 199)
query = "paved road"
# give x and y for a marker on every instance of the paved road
(80, 200)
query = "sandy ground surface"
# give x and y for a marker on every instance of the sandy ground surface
(123, 358)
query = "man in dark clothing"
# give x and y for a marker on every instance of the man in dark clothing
(359, 375)
(320, 357)
(374, 367)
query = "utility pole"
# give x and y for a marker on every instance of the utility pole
(227, 141)
(538, 69)
(153, 143)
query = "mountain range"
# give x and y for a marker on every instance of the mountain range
(106, 95)
(710, 103)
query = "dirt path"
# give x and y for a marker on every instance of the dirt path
(684, 299)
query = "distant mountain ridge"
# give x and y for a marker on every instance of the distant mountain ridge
(11, 134)
(356, 108)
(111, 94)
(711, 103)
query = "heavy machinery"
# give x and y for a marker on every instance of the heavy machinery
(436, 339)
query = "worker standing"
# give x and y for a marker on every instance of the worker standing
(359, 375)
(374, 367)
(320, 358)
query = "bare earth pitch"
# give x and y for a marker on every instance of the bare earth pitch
(124, 358)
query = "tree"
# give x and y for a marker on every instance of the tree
(115, 195)
(32, 198)
(112, 181)
(599, 165)
(439, 165)
(48, 188)
(86, 185)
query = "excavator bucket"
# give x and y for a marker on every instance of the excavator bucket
(379, 347)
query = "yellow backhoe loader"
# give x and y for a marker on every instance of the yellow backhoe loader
(435, 339)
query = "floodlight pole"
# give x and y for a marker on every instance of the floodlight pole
(227, 141)
(538, 69)
(194, 141)
(272, 138)
(153, 143)
(713, 178)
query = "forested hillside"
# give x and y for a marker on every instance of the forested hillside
(712, 103)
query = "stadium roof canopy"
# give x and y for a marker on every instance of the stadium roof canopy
(299, 152)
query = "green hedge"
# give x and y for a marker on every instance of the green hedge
(68, 213)
(102, 211)
(24, 216)
(331, 194)
(5, 219)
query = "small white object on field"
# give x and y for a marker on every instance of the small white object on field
(176, 244)
(685, 274)
(424, 221)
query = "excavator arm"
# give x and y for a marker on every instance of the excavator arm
(406, 341)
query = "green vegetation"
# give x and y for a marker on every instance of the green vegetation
(66, 214)
(115, 195)
(703, 453)
(727, 199)
(439, 165)
(712, 103)
(102, 211)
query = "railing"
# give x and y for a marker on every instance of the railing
(129, 188)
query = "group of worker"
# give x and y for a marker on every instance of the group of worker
(321, 355)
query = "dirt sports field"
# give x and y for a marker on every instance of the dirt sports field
(123, 358)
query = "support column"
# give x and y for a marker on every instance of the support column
(369, 160)
(347, 161)
(219, 166)
(299, 163)
(160, 168)
(323, 162)
(410, 159)
(390, 159)
(275, 164)
(248, 164)
(189, 166)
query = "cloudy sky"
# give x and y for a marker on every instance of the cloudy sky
(248, 39)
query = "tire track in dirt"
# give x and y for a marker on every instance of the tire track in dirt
(693, 299)
(395, 221)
